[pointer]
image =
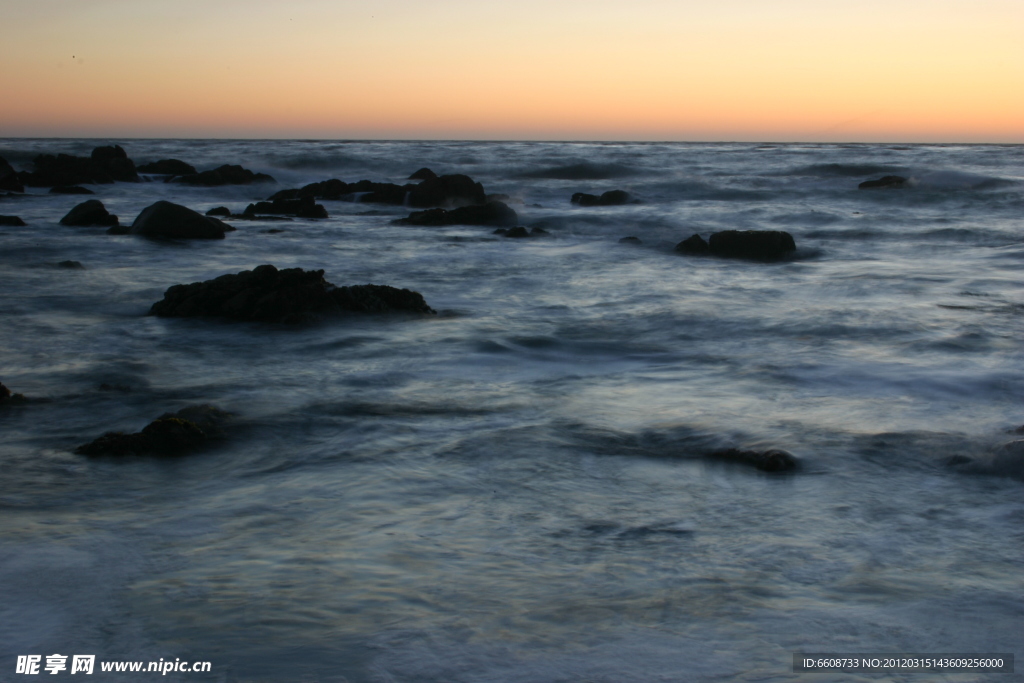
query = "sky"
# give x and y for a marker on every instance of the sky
(715, 70)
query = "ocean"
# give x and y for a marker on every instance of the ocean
(516, 489)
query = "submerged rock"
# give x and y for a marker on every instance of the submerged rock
(165, 219)
(520, 231)
(70, 189)
(89, 213)
(756, 245)
(71, 265)
(168, 167)
(768, 461)
(300, 207)
(694, 244)
(889, 181)
(12, 221)
(609, 198)
(283, 296)
(492, 213)
(7, 398)
(225, 175)
(170, 434)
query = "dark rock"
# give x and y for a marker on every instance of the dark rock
(119, 230)
(767, 461)
(759, 245)
(89, 213)
(7, 398)
(632, 240)
(9, 178)
(70, 189)
(492, 213)
(225, 175)
(497, 197)
(300, 207)
(447, 190)
(168, 167)
(106, 165)
(165, 219)
(889, 181)
(12, 221)
(694, 244)
(170, 434)
(73, 265)
(284, 296)
(273, 231)
(444, 191)
(518, 231)
(609, 198)
(219, 211)
(423, 174)
(539, 231)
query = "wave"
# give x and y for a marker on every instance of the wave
(959, 180)
(580, 171)
(837, 170)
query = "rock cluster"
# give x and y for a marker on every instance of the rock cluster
(300, 207)
(224, 175)
(105, 165)
(170, 434)
(756, 245)
(168, 167)
(283, 296)
(433, 190)
(609, 198)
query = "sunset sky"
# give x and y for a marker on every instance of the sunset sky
(873, 70)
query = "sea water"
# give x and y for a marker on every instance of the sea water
(512, 490)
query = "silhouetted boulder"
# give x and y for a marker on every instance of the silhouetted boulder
(170, 434)
(609, 198)
(165, 219)
(9, 178)
(768, 461)
(168, 167)
(888, 182)
(423, 174)
(282, 296)
(758, 245)
(89, 213)
(694, 244)
(70, 189)
(219, 211)
(447, 190)
(71, 265)
(492, 213)
(12, 221)
(225, 175)
(104, 166)
(631, 240)
(300, 207)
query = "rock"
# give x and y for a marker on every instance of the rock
(283, 296)
(119, 230)
(447, 190)
(423, 174)
(609, 198)
(104, 166)
(219, 211)
(889, 181)
(12, 221)
(7, 398)
(225, 175)
(694, 244)
(165, 219)
(300, 207)
(9, 178)
(520, 231)
(168, 167)
(170, 434)
(767, 461)
(70, 189)
(73, 265)
(492, 213)
(631, 240)
(89, 213)
(758, 245)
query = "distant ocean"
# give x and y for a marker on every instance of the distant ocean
(516, 490)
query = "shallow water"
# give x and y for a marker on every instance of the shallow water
(512, 490)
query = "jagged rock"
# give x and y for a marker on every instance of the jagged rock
(492, 213)
(759, 245)
(447, 190)
(7, 398)
(72, 265)
(89, 213)
(104, 166)
(694, 244)
(285, 296)
(219, 211)
(889, 181)
(300, 207)
(444, 191)
(13, 221)
(225, 175)
(170, 434)
(9, 178)
(168, 167)
(768, 461)
(165, 219)
(609, 198)
(70, 189)
(423, 174)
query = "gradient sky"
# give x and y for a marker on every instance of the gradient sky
(871, 70)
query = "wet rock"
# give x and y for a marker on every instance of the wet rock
(888, 182)
(105, 165)
(758, 245)
(9, 178)
(8, 399)
(284, 296)
(447, 190)
(70, 189)
(168, 167)
(630, 240)
(89, 213)
(423, 174)
(71, 265)
(165, 219)
(224, 175)
(520, 231)
(170, 434)
(694, 244)
(300, 207)
(12, 221)
(219, 211)
(609, 198)
(767, 461)
(492, 213)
